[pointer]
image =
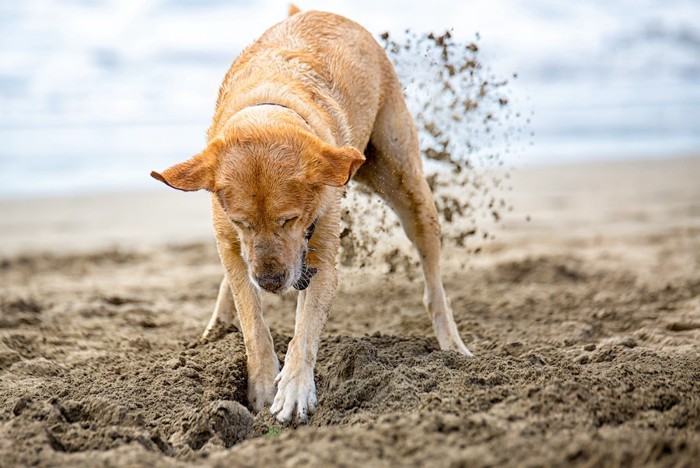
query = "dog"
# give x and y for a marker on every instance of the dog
(311, 104)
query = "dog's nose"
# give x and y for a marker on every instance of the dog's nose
(271, 281)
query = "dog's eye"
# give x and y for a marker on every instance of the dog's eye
(242, 224)
(287, 221)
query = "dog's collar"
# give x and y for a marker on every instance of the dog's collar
(310, 231)
(286, 107)
(307, 272)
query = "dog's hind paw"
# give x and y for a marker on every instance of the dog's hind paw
(457, 345)
(448, 336)
(216, 332)
(296, 395)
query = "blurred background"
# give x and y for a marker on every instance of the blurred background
(94, 94)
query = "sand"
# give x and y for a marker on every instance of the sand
(583, 312)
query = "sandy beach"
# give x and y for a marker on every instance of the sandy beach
(583, 313)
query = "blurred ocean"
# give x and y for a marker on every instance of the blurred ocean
(94, 94)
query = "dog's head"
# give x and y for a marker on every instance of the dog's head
(270, 181)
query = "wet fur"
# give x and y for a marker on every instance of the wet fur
(298, 114)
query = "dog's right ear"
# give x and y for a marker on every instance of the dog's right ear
(197, 173)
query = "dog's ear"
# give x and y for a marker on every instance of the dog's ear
(197, 173)
(336, 166)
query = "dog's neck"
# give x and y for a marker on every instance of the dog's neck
(286, 107)
(264, 112)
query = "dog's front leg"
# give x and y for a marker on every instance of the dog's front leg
(296, 389)
(263, 365)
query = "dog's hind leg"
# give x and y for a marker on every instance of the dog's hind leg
(223, 310)
(394, 171)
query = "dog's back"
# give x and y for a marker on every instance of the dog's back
(312, 59)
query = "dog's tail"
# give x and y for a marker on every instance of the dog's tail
(293, 9)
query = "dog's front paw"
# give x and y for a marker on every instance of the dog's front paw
(261, 385)
(296, 394)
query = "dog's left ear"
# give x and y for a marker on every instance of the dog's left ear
(336, 166)
(197, 173)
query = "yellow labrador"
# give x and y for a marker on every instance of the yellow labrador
(311, 103)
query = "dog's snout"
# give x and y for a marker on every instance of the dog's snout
(271, 281)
